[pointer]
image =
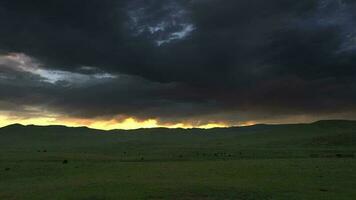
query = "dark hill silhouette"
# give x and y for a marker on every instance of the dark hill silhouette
(331, 132)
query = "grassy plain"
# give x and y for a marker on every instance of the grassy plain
(304, 161)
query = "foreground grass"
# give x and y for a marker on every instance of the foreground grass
(229, 179)
(289, 162)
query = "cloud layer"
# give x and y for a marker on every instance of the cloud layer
(180, 60)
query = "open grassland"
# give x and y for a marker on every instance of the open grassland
(306, 161)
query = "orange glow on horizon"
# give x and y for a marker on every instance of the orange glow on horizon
(248, 123)
(102, 124)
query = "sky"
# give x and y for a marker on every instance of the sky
(131, 64)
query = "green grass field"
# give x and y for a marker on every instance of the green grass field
(306, 161)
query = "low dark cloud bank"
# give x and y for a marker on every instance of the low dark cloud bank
(180, 59)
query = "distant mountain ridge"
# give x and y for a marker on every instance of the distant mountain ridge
(84, 128)
(163, 143)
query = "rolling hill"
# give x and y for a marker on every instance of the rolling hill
(293, 161)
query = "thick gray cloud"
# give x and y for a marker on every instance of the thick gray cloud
(180, 59)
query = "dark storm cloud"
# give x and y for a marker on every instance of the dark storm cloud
(27, 84)
(180, 59)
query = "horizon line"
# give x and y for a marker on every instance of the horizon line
(179, 128)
